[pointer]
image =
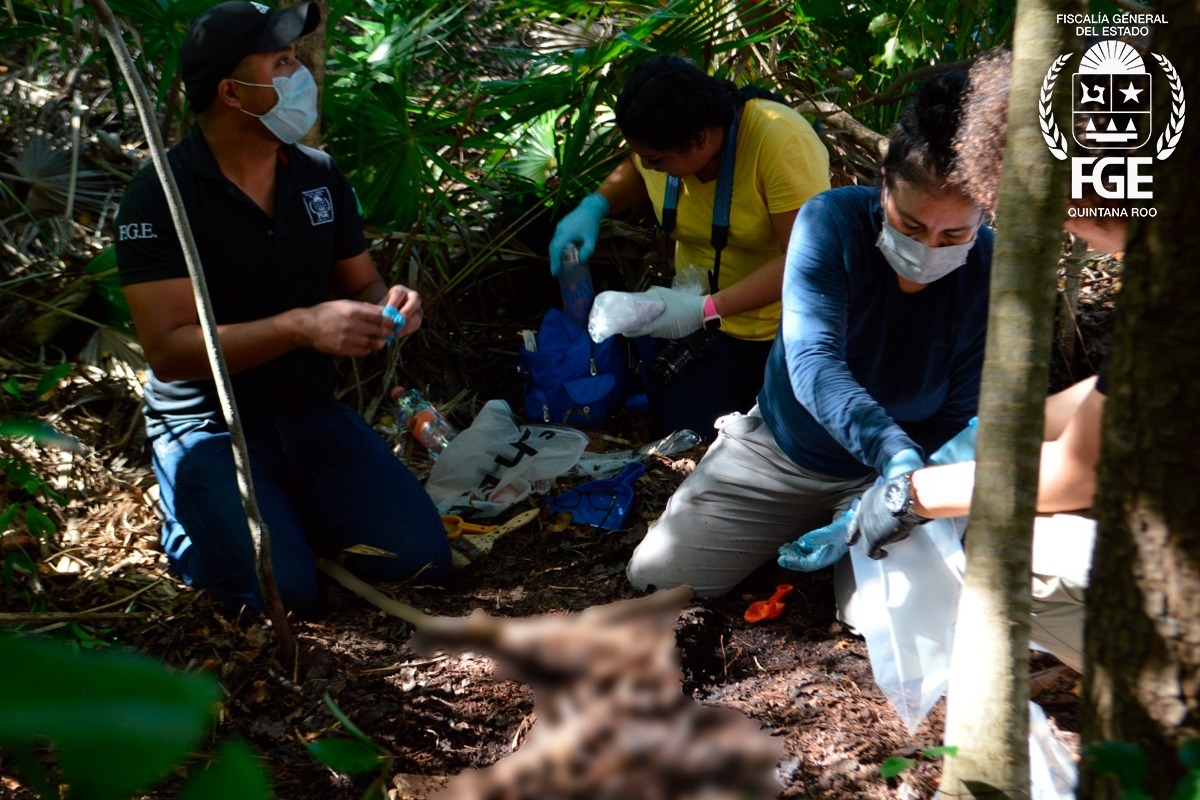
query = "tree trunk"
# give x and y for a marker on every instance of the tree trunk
(1142, 683)
(311, 51)
(987, 715)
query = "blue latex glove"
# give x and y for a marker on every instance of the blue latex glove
(905, 461)
(960, 448)
(817, 549)
(683, 313)
(578, 228)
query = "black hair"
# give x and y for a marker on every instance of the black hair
(668, 101)
(921, 145)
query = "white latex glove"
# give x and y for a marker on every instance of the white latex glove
(684, 314)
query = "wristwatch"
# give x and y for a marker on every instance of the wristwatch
(898, 499)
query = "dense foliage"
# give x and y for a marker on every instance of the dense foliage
(466, 128)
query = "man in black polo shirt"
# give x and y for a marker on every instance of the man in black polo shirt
(293, 287)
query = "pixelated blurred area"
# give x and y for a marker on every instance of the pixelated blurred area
(611, 719)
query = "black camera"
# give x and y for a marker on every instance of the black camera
(678, 354)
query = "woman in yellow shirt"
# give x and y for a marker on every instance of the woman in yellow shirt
(681, 123)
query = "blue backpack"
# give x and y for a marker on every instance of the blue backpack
(569, 379)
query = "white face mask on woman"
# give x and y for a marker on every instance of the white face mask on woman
(919, 262)
(294, 114)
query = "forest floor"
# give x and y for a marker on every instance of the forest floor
(803, 676)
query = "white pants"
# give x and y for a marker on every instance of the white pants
(742, 502)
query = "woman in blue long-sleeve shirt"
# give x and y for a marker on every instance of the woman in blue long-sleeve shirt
(876, 364)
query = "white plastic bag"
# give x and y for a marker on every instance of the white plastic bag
(905, 607)
(1052, 771)
(496, 462)
(622, 312)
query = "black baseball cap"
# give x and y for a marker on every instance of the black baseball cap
(221, 36)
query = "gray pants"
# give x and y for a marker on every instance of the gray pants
(744, 499)
(1062, 558)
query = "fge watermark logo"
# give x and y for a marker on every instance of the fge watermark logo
(1111, 122)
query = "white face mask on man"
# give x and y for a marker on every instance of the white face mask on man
(916, 261)
(294, 114)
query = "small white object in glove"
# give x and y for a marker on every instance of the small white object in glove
(622, 312)
(683, 314)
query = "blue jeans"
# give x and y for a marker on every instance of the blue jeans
(324, 480)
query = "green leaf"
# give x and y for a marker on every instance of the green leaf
(881, 23)
(937, 752)
(119, 722)
(350, 727)
(1124, 761)
(234, 774)
(12, 386)
(890, 56)
(893, 766)
(39, 524)
(50, 378)
(107, 282)
(346, 755)
(41, 432)
(1189, 787)
(910, 47)
(9, 514)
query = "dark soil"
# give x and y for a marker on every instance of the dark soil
(803, 676)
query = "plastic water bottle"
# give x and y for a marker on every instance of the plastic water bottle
(422, 419)
(575, 283)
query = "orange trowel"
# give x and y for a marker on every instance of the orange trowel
(770, 608)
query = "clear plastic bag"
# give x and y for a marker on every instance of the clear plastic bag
(905, 607)
(1052, 770)
(691, 278)
(605, 465)
(622, 312)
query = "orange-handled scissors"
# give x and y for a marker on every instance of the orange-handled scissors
(456, 527)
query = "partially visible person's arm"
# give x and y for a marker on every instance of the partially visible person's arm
(1060, 407)
(763, 286)
(357, 278)
(164, 313)
(1067, 475)
(624, 188)
(824, 250)
(792, 166)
